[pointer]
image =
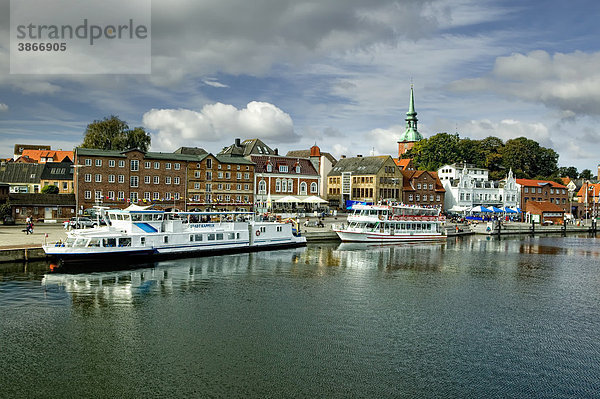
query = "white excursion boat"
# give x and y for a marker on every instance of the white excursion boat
(137, 232)
(392, 223)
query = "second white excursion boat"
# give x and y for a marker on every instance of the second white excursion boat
(392, 223)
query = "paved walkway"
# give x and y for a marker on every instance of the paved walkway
(14, 237)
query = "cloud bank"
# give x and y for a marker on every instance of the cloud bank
(216, 122)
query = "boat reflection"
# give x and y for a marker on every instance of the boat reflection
(128, 287)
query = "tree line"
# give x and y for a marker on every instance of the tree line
(524, 156)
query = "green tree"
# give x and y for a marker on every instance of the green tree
(5, 210)
(114, 134)
(490, 150)
(50, 189)
(527, 158)
(586, 174)
(436, 151)
(569, 171)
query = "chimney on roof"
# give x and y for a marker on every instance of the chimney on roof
(343, 157)
(238, 143)
(276, 150)
(359, 156)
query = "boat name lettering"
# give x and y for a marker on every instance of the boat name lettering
(199, 225)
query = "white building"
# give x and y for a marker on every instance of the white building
(467, 186)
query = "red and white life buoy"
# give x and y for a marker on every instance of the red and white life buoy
(257, 233)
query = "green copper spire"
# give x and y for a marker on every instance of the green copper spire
(411, 133)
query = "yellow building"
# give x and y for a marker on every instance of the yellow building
(369, 179)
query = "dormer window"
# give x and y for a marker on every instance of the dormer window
(283, 168)
(297, 168)
(269, 167)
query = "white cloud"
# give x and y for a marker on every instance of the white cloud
(216, 122)
(383, 141)
(214, 83)
(569, 82)
(3, 107)
(508, 129)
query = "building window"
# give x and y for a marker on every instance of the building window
(196, 186)
(177, 166)
(246, 176)
(168, 180)
(313, 187)
(98, 195)
(146, 179)
(227, 175)
(133, 196)
(111, 195)
(303, 188)
(208, 187)
(262, 187)
(156, 179)
(246, 187)
(88, 162)
(167, 196)
(284, 185)
(98, 178)
(239, 175)
(410, 197)
(431, 197)
(437, 198)
(208, 175)
(176, 196)
(87, 194)
(219, 175)
(121, 164)
(417, 197)
(209, 163)
(121, 195)
(283, 168)
(121, 179)
(111, 163)
(168, 166)
(228, 187)
(269, 167)
(155, 195)
(156, 165)
(238, 187)
(88, 177)
(98, 162)
(176, 180)
(277, 185)
(147, 195)
(134, 181)
(219, 186)
(430, 186)
(111, 178)
(418, 186)
(135, 165)
(290, 185)
(147, 165)
(197, 174)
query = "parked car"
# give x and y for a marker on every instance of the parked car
(8, 220)
(80, 222)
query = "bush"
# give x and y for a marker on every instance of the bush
(50, 189)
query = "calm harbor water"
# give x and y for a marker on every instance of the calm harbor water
(471, 318)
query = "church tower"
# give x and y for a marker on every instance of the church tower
(411, 134)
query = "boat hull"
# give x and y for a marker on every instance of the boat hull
(117, 258)
(356, 236)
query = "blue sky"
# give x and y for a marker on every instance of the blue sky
(337, 73)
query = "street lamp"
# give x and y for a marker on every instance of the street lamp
(76, 187)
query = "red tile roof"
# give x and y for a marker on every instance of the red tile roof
(410, 175)
(306, 167)
(593, 190)
(542, 206)
(56, 155)
(536, 183)
(403, 162)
